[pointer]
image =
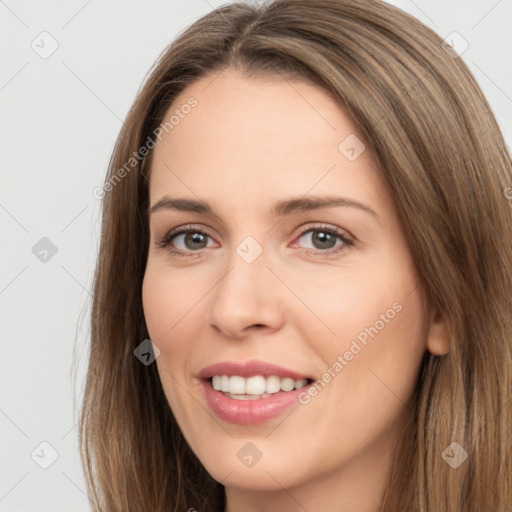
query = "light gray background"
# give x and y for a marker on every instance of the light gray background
(59, 120)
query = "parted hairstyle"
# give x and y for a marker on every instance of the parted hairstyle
(449, 170)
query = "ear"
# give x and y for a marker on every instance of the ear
(438, 340)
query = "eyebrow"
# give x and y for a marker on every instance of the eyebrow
(280, 208)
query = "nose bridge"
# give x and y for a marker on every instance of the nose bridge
(244, 296)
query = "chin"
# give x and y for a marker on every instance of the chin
(252, 479)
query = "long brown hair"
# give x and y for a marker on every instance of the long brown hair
(445, 160)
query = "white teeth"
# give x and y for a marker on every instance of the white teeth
(287, 384)
(254, 387)
(273, 384)
(236, 385)
(300, 383)
(216, 380)
(224, 383)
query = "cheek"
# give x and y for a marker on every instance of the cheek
(382, 354)
(372, 368)
(368, 301)
(172, 310)
(378, 332)
(171, 306)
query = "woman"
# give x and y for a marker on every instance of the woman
(339, 339)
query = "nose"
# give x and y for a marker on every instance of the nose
(246, 299)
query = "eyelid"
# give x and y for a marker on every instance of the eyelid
(189, 227)
(318, 226)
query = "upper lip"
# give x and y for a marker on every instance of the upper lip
(249, 369)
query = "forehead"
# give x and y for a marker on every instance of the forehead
(260, 135)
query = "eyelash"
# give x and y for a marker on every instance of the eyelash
(166, 240)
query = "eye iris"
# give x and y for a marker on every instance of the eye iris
(323, 237)
(195, 238)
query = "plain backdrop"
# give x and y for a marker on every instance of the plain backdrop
(60, 115)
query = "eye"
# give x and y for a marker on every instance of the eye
(188, 238)
(326, 240)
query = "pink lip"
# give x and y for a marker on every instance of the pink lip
(249, 369)
(249, 412)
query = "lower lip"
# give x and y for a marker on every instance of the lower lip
(249, 412)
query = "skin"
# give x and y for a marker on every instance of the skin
(249, 142)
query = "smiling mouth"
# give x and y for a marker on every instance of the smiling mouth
(255, 387)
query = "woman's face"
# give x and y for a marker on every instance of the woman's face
(271, 275)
